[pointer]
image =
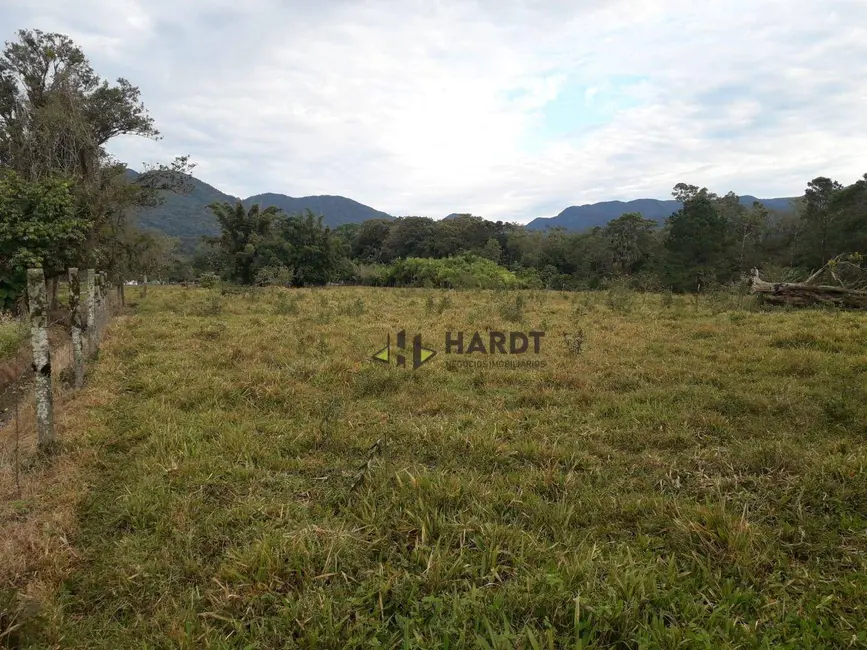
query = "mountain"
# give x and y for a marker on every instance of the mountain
(186, 216)
(581, 217)
(337, 210)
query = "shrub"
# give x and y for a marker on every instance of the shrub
(209, 280)
(13, 333)
(620, 296)
(274, 276)
(461, 272)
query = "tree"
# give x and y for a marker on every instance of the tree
(56, 116)
(630, 239)
(409, 237)
(310, 249)
(369, 240)
(492, 251)
(818, 202)
(849, 206)
(39, 226)
(698, 240)
(247, 241)
(749, 226)
(462, 233)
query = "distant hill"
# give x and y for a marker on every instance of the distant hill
(581, 217)
(187, 216)
(337, 210)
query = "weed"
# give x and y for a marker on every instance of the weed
(512, 309)
(353, 308)
(13, 334)
(620, 297)
(574, 342)
(212, 306)
(287, 304)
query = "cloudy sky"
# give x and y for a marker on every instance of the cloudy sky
(509, 109)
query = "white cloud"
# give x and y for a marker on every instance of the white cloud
(416, 107)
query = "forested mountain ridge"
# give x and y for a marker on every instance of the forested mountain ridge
(580, 217)
(186, 216)
(336, 210)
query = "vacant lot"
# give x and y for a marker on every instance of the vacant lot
(694, 474)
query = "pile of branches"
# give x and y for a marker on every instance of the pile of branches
(849, 290)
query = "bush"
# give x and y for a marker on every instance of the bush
(372, 275)
(620, 296)
(13, 333)
(274, 276)
(461, 272)
(209, 280)
(529, 279)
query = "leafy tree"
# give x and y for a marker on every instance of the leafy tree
(698, 240)
(369, 240)
(247, 242)
(461, 234)
(749, 225)
(409, 237)
(492, 250)
(819, 213)
(630, 239)
(39, 226)
(56, 116)
(850, 208)
(309, 248)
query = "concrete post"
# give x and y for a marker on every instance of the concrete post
(98, 298)
(37, 305)
(76, 330)
(87, 282)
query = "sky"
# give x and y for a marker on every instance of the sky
(507, 109)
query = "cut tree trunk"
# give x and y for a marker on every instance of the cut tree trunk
(801, 294)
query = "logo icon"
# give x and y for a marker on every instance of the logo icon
(420, 354)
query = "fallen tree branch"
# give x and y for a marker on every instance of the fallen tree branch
(802, 294)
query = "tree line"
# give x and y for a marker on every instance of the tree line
(711, 241)
(64, 201)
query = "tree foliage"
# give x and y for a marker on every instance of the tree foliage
(39, 227)
(56, 116)
(264, 246)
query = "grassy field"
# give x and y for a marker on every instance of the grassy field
(681, 474)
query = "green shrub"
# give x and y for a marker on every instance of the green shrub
(274, 276)
(209, 280)
(461, 272)
(620, 296)
(13, 333)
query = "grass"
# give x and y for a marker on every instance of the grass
(13, 333)
(678, 475)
